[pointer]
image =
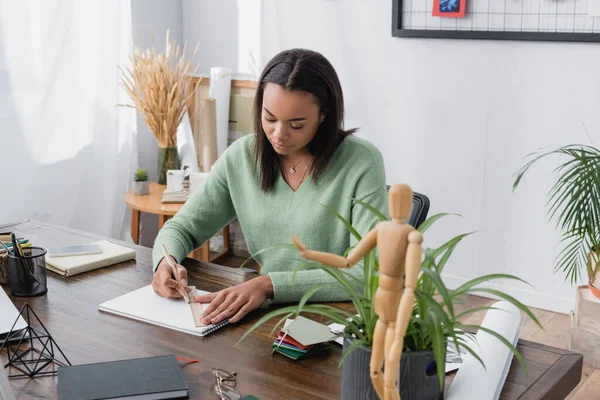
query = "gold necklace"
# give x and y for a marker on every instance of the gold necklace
(292, 170)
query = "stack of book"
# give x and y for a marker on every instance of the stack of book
(175, 197)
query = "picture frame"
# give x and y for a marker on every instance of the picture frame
(401, 29)
(449, 8)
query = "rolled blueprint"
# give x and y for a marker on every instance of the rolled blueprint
(473, 381)
(185, 144)
(207, 133)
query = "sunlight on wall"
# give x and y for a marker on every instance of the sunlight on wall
(46, 82)
(60, 127)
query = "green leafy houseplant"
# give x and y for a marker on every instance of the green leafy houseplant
(574, 202)
(434, 321)
(141, 186)
(141, 175)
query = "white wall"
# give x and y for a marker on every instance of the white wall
(213, 26)
(454, 119)
(152, 17)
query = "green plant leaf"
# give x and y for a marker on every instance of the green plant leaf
(350, 291)
(345, 315)
(571, 260)
(431, 220)
(336, 315)
(450, 244)
(441, 288)
(511, 300)
(466, 346)
(476, 309)
(308, 294)
(356, 343)
(448, 251)
(267, 317)
(304, 266)
(281, 322)
(501, 338)
(373, 210)
(439, 348)
(347, 224)
(465, 287)
(270, 248)
(446, 327)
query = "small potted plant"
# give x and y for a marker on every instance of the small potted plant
(141, 185)
(435, 321)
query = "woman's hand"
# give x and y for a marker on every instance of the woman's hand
(237, 301)
(165, 285)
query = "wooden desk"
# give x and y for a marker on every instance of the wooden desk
(152, 204)
(70, 312)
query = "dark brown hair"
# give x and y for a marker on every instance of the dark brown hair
(308, 71)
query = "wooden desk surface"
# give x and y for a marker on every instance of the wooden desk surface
(151, 203)
(70, 313)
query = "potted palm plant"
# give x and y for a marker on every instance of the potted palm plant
(433, 324)
(141, 187)
(574, 202)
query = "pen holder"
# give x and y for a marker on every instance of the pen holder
(3, 269)
(27, 275)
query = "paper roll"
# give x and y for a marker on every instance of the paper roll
(220, 90)
(186, 146)
(207, 133)
(506, 321)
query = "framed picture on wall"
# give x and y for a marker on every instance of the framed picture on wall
(449, 8)
(532, 20)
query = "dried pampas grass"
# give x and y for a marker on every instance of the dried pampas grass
(157, 83)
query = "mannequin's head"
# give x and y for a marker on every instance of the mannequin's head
(399, 202)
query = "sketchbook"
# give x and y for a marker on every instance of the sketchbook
(112, 253)
(146, 306)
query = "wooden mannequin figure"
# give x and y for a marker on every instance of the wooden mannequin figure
(399, 248)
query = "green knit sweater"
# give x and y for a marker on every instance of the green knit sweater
(267, 219)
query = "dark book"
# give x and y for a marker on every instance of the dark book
(141, 379)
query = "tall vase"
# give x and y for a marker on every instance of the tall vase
(168, 158)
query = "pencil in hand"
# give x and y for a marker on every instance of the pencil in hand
(183, 292)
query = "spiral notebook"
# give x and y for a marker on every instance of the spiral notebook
(144, 305)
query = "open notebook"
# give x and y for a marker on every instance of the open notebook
(144, 305)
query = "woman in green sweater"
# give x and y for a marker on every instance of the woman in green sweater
(276, 183)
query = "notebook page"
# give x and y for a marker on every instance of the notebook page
(144, 305)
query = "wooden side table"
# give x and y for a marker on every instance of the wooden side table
(152, 204)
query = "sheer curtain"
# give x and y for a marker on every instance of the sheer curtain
(67, 150)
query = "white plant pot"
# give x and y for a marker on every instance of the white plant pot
(141, 188)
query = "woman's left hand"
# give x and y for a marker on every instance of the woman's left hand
(237, 301)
